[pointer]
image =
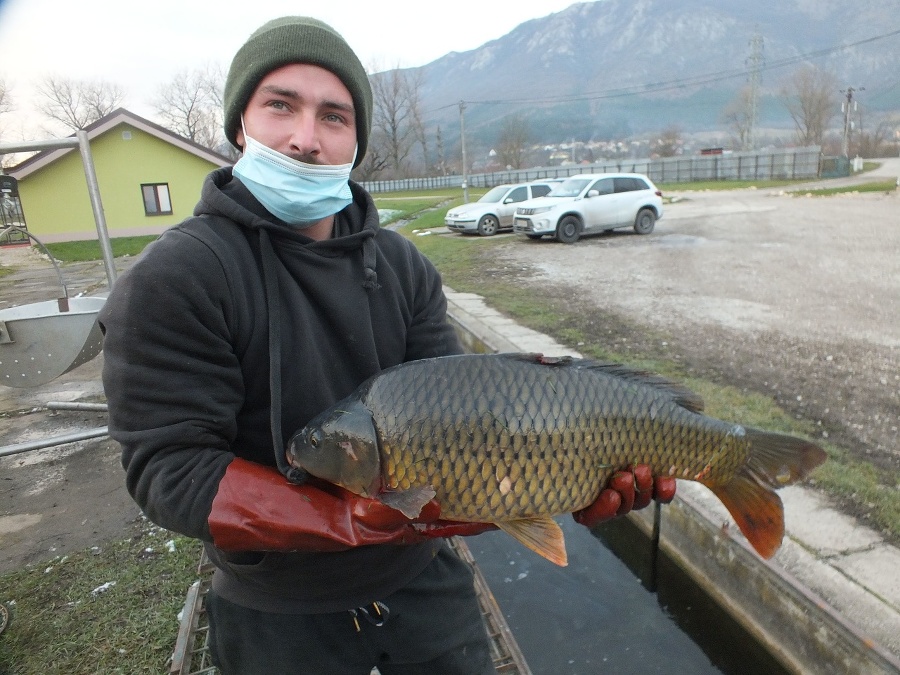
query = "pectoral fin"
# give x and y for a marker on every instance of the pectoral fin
(542, 535)
(408, 502)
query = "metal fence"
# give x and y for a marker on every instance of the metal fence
(786, 163)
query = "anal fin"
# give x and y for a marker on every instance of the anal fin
(542, 535)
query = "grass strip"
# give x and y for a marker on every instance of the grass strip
(110, 609)
(885, 186)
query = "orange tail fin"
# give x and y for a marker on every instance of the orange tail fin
(775, 460)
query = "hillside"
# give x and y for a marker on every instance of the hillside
(616, 67)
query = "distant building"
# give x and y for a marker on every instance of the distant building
(149, 179)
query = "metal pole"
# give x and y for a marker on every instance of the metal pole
(654, 547)
(65, 405)
(28, 146)
(54, 441)
(462, 140)
(845, 146)
(81, 142)
(97, 206)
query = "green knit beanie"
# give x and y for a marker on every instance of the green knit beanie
(296, 39)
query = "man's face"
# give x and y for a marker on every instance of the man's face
(304, 112)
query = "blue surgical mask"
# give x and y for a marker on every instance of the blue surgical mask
(300, 194)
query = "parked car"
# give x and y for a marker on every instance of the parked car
(494, 211)
(589, 204)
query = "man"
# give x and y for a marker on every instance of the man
(238, 326)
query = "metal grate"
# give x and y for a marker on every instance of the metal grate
(191, 655)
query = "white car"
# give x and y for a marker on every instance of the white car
(589, 204)
(494, 211)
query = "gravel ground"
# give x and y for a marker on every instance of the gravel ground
(793, 295)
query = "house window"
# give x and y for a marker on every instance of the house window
(156, 199)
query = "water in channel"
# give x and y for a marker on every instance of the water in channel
(597, 615)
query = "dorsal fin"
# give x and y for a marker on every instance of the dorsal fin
(679, 393)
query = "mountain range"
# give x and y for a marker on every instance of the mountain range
(614, 68)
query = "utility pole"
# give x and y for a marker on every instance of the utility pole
(756, 62)
(462, 140)
(845, 107)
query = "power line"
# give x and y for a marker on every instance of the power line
(693, 81)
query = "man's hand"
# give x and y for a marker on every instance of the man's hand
(627, 490)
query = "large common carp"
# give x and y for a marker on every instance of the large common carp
(515, 439)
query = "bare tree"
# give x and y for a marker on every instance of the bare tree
(669, 141)
(738, 115)
(6, 104)
(78, 103)
(873, 143)
(513, 141)
(811, 98)
(191, 106)
(374, 162)
(395, 96)
(441, 160)
(418, 123)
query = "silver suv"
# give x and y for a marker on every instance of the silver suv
(494, 211)
(589, 204)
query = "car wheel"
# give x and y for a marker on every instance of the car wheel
(645, 221)
(534, 236)
(568, 230)
(488, 225)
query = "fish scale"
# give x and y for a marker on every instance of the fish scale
(515, 439)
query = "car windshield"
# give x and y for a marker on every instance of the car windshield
(569, 188)
(495, 195)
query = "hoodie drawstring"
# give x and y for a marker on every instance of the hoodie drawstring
(368, 251)
(273, 297)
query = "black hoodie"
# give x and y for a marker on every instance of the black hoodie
(187, 370)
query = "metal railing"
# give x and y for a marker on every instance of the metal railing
(191, 655)
(775, 164)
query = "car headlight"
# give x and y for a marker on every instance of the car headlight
(536, 210)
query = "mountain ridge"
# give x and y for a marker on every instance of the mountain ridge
(641, 65)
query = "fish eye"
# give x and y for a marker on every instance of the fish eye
(314, 438)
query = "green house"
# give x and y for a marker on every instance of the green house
(149, 179)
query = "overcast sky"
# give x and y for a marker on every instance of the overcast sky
(141, 45)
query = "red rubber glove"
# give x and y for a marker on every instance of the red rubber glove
(256, 509)
(626, 491)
